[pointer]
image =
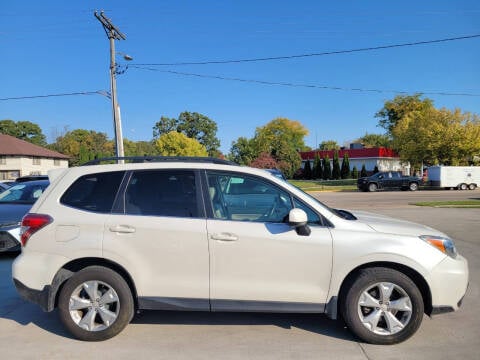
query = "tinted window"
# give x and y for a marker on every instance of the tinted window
(162, 193)
(313, 218)
(93, 192)
(244, 198)
(24, 193)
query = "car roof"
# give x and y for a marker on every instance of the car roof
(31, 178)
(32, 182)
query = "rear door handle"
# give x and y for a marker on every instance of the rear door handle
(123, 229)
(224, 237)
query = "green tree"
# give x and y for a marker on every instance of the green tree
(345, 170)
(83, 145)
(437, 137)
(423, 134)
(327, 168)
(317, 167)
(401, 106)
(375, 140)
(283, 139)
(139, 148)
(336, 166)
(375, 169)
(307, 170)
(363, 172)
(164, 126)
(281, 129)
(23, 130)
(355, 172)
(243, 151)
(178, 144)
(192, 125)
(329, 145)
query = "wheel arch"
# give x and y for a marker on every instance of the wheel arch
(72, 267)
(415, 276)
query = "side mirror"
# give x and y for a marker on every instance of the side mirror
(298, 219)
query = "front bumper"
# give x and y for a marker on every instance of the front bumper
(362, 186)
(449, 283)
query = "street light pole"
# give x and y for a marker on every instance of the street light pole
(113, 34)
(115, 108)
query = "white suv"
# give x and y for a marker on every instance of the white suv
(203, 234)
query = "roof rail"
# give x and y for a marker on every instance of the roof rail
(146, 159)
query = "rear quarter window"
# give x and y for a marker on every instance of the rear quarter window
(93, 192)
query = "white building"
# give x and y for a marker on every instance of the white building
(20, 158)
(383, 158)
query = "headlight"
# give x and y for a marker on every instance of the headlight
(443, 244)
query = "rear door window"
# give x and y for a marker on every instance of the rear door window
(94, 192)
(162, 193)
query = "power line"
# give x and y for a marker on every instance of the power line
(98, 92)
(286, 57)
(312, 86)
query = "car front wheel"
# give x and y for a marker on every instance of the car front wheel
(382, 306)
(95, 304)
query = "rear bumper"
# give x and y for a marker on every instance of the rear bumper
(39, 297)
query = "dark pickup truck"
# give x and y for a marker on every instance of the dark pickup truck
(388, 180)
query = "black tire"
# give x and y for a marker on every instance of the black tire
(372, 187)
(413, 186)
(356, 306)
(472, 186)
(117, 304)
(463, 186)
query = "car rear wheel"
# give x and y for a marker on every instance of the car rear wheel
(463, 186)
(372, 187)
(413, 186)
(472, 186)
(382, 306)
(95, 304)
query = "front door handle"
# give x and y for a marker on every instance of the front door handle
(123, 229)
(224, 237)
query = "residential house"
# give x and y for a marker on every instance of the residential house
(20, 158)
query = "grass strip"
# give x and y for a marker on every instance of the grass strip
(329, 185)
(450, 204)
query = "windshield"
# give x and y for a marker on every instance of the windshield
(24, 193)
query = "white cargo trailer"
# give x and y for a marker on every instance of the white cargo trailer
(459, 177)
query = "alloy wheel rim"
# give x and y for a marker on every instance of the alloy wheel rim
(94, 305)
(384, 308)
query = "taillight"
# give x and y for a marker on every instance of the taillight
(31, 223)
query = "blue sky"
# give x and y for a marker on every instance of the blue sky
(52, 47)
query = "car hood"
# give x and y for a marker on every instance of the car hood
(388, 225)
(13, 213)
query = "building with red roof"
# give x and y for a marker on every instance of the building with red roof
(20, 158)
(384, 159)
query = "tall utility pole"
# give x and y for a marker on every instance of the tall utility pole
(113, 34)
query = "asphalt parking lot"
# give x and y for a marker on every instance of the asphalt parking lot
(27, 332)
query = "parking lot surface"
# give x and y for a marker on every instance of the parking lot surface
(26, 332)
